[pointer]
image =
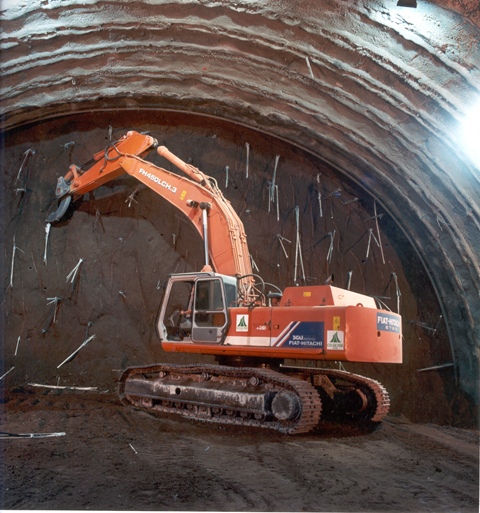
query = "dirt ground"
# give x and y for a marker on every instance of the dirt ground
(113, 457)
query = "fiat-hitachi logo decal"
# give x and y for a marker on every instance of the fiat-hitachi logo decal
(302, 335)
(388, 322)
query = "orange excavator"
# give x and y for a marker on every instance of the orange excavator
(250, 326)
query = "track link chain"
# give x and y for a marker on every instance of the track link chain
(310, 402)
(380, 407)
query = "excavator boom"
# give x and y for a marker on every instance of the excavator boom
(191, 194)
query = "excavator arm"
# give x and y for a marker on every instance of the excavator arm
(102, 168)
(196, 195)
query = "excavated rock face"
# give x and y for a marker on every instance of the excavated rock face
(362, 101)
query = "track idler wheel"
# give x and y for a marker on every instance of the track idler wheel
(286, 405)
(355, 401)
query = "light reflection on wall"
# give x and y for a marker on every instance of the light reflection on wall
(469, 135)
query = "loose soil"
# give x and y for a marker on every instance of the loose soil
(113, 457)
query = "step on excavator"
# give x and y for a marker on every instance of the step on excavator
(250, 326)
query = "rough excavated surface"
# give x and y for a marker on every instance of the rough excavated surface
(363, 103)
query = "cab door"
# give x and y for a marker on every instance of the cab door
(209, 319)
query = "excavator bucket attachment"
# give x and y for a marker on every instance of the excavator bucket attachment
(101, 169)
(60, 212)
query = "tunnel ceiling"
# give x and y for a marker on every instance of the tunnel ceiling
(377, 91)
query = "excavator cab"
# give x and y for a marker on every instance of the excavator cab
(195, 308)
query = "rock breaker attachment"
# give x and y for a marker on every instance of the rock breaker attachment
(61, 209)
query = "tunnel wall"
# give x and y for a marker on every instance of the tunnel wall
(374, 91)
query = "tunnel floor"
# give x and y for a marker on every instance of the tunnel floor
(111, 457)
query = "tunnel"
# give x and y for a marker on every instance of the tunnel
(359, 108)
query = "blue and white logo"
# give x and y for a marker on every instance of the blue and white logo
(302, 335)
(389, 322)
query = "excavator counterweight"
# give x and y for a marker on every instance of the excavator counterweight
(225, 311)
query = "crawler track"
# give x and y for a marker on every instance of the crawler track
(255, 397)
(291, 401)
